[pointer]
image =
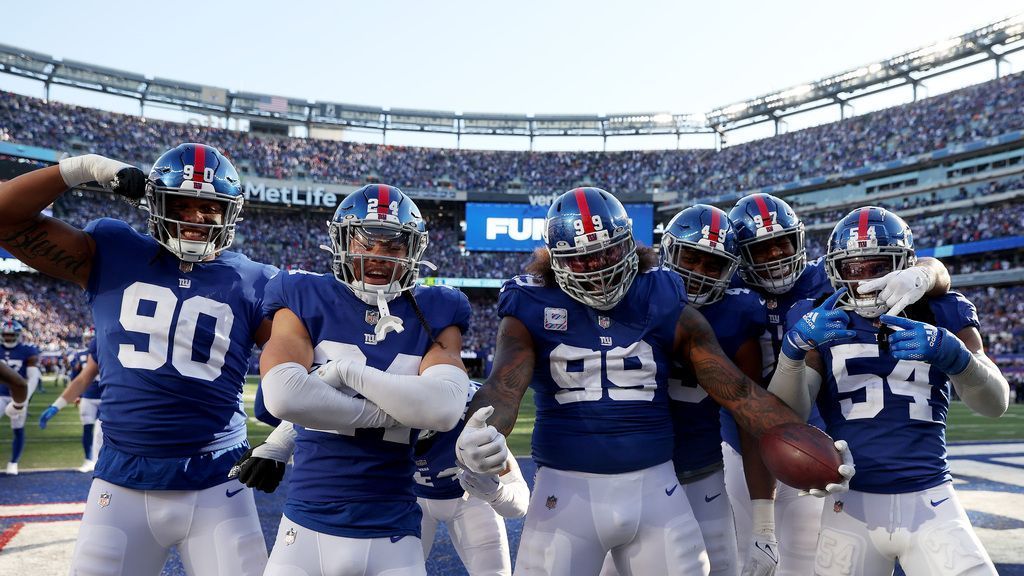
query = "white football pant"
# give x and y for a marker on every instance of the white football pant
(641, 518)
(128, 532)
(476, 530)
(928, 531)
(300, 551)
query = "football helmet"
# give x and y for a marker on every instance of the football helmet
(590, 240)
(700, 244)
(377, 224)
(868, 243)
(761, 221)
(193, 171)
(10, 333)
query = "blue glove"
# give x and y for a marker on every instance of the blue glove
(47, 414)
(819, 326)
(919, 341)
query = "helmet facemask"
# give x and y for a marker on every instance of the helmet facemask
(778, 275)
(597, 273)
(373, 257)
(10, 335)
(189, 241)
(850, 267)
(683, 257)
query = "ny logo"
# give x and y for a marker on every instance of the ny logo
(606, 340)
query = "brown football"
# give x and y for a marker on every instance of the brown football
(801, 456)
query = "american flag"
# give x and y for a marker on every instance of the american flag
(273, 104)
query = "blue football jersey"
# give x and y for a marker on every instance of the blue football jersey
(891, 412)
(600, 378)
(76, 361)
(435, 461)
(358, 483)
(95, 389)
(17, 358)
(173, 349)
(737, 318)
(812, 284)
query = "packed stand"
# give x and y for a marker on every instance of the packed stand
(968, 114)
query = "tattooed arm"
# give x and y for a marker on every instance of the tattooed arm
(754, 408)
(513, 368)
(46, 244)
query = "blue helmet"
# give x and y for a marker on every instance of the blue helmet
(868, 243)
(590, 240)
(87, 335)
(701, 230)
(381, 219)
(10, 333)
(762, 222)
(193, 171)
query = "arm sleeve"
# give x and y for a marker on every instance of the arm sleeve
(514, 495)
(434, 400)
(982, 387)
(795, 384)
(279, 445)
(33, 375)
(293, 395)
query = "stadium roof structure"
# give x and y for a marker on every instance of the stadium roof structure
(990, 42)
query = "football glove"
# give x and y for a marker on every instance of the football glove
(846, 470)
(259, 473)
(481, 448)
(900, 288)
(926, 343)
(819, 326)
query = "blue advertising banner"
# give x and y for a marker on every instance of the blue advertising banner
(520, 227)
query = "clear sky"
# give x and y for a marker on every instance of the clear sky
(527, 56)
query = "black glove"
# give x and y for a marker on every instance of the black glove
(258, 473)
(130, 183)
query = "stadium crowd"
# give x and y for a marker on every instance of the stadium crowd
(965, 115)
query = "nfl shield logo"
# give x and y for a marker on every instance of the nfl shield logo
(104, 499)
(551, 503)
(289, 537)
(604, 321)
(772, 303)
(372, 316)
(838, 506)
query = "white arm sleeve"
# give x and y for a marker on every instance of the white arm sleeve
(982, 387)
(293, 395)
(279, 445)
(795, 384)
(33, 375)
(514, 495)
(434, 400)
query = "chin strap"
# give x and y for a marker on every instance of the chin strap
(387, 323)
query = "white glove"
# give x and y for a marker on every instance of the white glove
(78, 170)
(483, 486)
(763, 559)
(335, 374)
(14, 410)
(900, 288)
(481, 448)
(846, 470)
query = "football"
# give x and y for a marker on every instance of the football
(801, 456)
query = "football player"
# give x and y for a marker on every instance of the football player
(85, 391)
(472, 505)
(15, 398)
(594, 329)
(773, 263)
(882, 381)
(23, 358)
(393, 351)
(177, 315)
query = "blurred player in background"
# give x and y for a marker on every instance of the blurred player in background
(15, 393)
(594, 329)
(86, 390)
(176, 318)
(390, 361)
(773, 263)
(882, 382)
(24, 359)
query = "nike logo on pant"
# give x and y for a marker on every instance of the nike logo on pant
(937, 502)
(709, 499)
(229, 493)
(669, 491)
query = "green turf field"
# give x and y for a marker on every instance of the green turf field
(59, 446)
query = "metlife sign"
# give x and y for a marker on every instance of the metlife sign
(323, 196)
(520, 227)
